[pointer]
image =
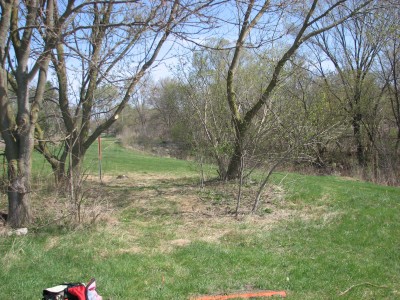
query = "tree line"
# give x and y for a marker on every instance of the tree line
(264, 81)
(334, 106)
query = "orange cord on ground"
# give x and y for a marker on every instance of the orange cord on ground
(243, 295)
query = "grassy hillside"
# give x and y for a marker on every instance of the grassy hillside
(118, 160)
(162, 237)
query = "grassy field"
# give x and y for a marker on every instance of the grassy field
(159, 236)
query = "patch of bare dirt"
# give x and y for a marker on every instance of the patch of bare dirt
(134, 179)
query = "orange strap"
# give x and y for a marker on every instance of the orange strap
(243, 295)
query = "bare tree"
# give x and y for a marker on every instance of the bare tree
(115, 45)
(352, 47)
(389, 60)
(28, 31)
(258, 26)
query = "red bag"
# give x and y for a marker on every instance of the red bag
(76, 292)
(72, 291)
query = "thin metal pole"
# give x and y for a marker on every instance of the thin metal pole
(99, 153)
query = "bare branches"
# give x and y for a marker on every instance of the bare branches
(244, 32)
(111, 45)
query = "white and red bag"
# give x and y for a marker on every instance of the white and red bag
(72, 291)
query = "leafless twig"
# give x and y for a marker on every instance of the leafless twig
(360, 284)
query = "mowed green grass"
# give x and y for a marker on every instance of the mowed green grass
(338, 234)
(116, 160)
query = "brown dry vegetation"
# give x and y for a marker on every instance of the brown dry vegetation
(159, 212)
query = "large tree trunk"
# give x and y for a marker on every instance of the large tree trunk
(19, 189)
(18, 138)
(233, 171)
(19, 147)
(19, 212)
(235, 163)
